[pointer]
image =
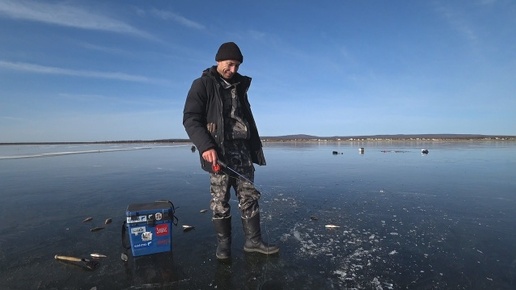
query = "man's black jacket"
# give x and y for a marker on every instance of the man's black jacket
(204, 121)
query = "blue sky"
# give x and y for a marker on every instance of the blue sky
(120, 70)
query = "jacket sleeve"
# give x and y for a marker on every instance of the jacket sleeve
(194, 116)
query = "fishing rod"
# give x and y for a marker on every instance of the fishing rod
(217, 168)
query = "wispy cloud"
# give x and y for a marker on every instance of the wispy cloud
(458, 22)
(167, 15)
(9, 118)
(65, 15)
(35, 68)
(111, 50)
(119, 100)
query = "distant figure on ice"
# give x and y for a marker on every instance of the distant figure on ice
(218, 119)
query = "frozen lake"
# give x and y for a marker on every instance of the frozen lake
(445, 220)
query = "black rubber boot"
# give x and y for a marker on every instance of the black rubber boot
(223, 229)
(253, 237)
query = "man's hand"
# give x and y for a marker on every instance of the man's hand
(210, 155)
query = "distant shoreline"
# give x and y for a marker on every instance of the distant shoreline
(310, 139)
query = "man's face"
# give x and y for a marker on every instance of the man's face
(227, 68)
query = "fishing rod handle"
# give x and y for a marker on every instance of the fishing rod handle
(217, 167)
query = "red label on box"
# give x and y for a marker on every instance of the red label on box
(162, 230)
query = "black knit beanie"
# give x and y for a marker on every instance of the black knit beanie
(229, 51)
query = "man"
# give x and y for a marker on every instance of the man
(218, 119)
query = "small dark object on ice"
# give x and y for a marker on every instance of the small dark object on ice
(96, 229)
(97, 255)
(85, 263)
(187, 228)
(193, 149)
(424, 151)
(330, 226)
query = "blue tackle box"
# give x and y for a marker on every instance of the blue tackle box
(149, 226)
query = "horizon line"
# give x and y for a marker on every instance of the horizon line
(306, 137)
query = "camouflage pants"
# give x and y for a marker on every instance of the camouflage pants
(236, 157)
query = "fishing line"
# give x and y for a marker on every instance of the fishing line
(217, 168)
